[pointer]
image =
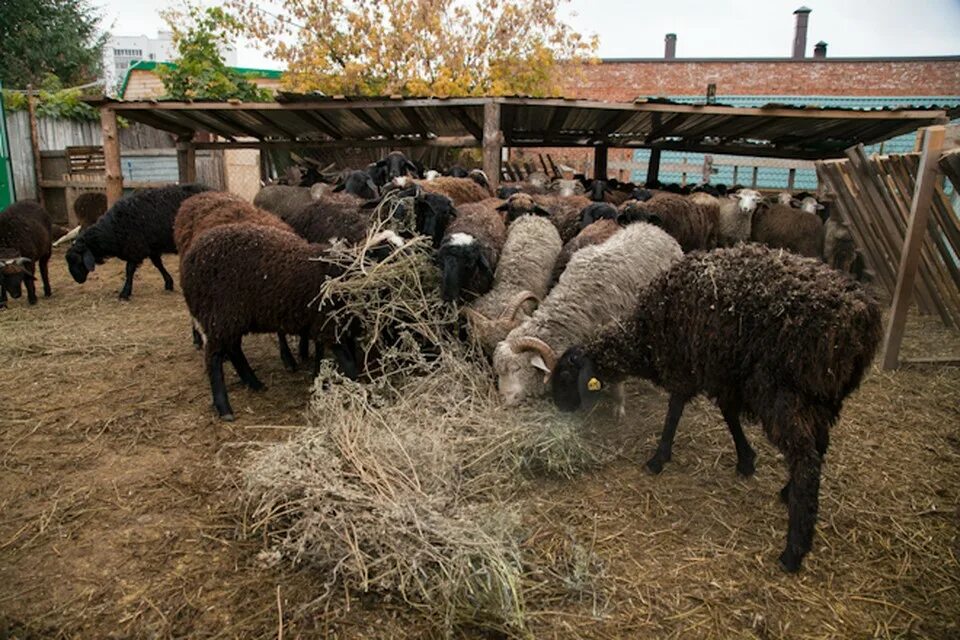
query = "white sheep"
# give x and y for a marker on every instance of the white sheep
(736, 216)
(598, 289)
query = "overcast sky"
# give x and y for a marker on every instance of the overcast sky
(704, 28)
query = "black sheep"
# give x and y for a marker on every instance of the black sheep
(135, 228)
(360, 184)
(393, 166)
(597, 211)
(24, 242)
(766, 333)
(244, 278)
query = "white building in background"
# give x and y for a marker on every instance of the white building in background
(121, 52)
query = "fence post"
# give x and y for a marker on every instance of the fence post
(35, 144)
(492, 142)
(186, 160)
(913, 241)
(111, 155)
(653, 167)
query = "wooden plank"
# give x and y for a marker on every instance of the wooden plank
(922, 362)
(919, 211)
(186, 161)
(468, 123)
(35, 145)
(492, 143)
(322, 124)
(111, 155)
(451, 141)
(600, 162)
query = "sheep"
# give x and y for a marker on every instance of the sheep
(135, 228)
(244, 278)
(599, 287)
(522, 274)
(470, 250)
(736, 216)
(597, 211)
(459, 190)
(595, 233)
(782, 227)
(456, 171)
(24, 242)
(695, 226)
(775, 336)
(563, 211)
(605, 191)
(394, 165)
(285, 201)
(357, 183)
(329, 217)
(566, 188)
(431, 175)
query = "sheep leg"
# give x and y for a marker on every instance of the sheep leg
(31, 286)
(304, 347)
(128, 282)
(730, 408)
(3, 296)
(822, 442)
(345, 353)
(45, 275)
(317, 357)
(217, 386)
(803, 503)
(244, 370)
(620, 395)
(665, 448)
(285, 354)
(167, 278)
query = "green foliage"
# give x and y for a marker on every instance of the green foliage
(200, 72)
(53, 101)
(49, 37)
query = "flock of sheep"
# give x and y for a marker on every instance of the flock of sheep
(755, 304)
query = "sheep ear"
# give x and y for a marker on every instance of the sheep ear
(89, 261)
(503, 207)
(540, 211)
(655, 220)
(537, 361)
(588, 385)
(373, 187)
(340, 187)
(820, 207)
(370, 204)
(411, 167)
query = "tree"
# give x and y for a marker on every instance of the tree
(199, 71)
(416, 47)
(49, 37)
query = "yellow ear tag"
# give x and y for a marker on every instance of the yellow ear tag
(593, 384)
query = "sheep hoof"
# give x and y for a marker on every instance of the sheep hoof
(746, 468)
(790, 561)
(655, 464)
(227, 417)
(125, 297)
(257, 386)
(32, 301)
(168, 286)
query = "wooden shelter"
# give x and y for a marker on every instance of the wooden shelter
(493, 123)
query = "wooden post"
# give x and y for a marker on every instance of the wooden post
(683, 172)
(653, 167)
(492, 142)
(35, 144)
(913, 241)
(111, 155)
(791, 178)
(186, 160)
(600, 154)
(735, 169)
(753, 180)
(707, 169)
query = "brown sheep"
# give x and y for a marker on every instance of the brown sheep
(693, 225)
(780, 226)
(563, 211)
(470, 250)
(595, 233)
(459, 190)
(215, 208)
(24, 243)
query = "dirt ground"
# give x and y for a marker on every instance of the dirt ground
(120, 517)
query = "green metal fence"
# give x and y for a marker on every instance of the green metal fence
(7, 194)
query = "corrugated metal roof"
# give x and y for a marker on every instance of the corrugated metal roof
(770, 130)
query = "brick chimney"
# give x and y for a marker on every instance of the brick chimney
(670, 46)
(820, 50)
(800, 32)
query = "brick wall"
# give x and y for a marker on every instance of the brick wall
(625, 80)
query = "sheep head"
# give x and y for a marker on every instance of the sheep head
(13, 271)
(523, 365)
(574, 383)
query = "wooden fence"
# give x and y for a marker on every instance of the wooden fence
(874, 196)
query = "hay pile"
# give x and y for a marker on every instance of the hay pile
(405, 485)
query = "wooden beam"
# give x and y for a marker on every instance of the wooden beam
(267, 122)
(653, 168)
(111, 155)
(35, 144)
(322, 124)
(416, 122)
(600, 162)
(472, 127)
(919, 213)
(186, 160)
(446, 141)
(371, 122)
(492, 143)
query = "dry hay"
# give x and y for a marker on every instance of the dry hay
(405, 485)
